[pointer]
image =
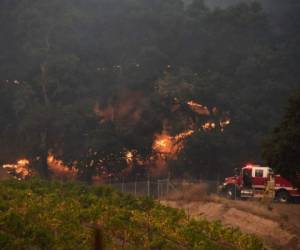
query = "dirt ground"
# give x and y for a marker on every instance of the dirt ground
(278, 225)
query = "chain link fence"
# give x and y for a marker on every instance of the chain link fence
(161, 188)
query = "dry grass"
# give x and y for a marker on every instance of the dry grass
(189, 192)
(277, 224)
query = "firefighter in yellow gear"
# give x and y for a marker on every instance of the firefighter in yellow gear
(269, 192)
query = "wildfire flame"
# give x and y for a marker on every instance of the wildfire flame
(184, 135)
(203, 110)
(59, 169)
(163, 143)
(20, 170)
(129, 158)
(167, 144)
(198, 108)
(23, 162)
(126, 110)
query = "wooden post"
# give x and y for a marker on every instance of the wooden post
(168, 183)
(97, 241)
(98, 238)
(148, 187)
(158, 189)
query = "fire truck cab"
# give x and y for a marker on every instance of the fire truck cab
(255, 181)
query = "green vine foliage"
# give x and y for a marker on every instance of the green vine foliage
(37, 214)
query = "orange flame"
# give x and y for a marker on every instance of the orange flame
(224, 122)
(163, 143)
(208, 126)
(167, 144)
(198, 108)
(184, 135)
(20, 170)
(129, 158)
(23, 162)
(59, 169)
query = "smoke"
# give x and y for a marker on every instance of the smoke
(268, 5)
(125, 110)
(282, 14)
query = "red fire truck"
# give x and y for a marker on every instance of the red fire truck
(252, 182)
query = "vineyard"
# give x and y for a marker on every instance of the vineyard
(37, 214)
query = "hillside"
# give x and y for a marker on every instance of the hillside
(278, 226)
(51, 215)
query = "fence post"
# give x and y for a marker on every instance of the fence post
(158, 189)
(168, 183)
(148, 187)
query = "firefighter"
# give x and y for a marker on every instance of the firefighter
(247, 179)
(269, 192)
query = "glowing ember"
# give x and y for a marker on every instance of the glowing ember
(20, 170)
(129, 158)
(184, 135)
(198, 108)
(208, 126)
(224, 122)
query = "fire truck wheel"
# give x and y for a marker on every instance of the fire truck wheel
(231, 192)
(282, 196)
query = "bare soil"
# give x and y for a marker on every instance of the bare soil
(278, 225)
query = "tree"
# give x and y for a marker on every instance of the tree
(282, 148)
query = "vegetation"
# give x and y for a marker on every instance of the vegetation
(37, 214)
(88, 80)
(282, 147)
